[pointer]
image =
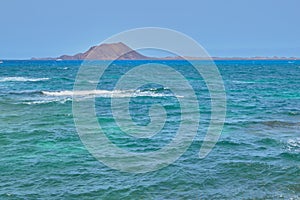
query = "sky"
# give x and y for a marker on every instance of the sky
(50, 28)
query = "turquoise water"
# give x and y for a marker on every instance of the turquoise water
(257, 156)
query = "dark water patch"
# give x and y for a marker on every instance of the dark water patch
(276, 123)
(269, 142)
(294, 156)
(295, 187)
(230, 144)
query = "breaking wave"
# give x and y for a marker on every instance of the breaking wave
(21, 79)
(108, 93)
(293, 145)
(48, 101)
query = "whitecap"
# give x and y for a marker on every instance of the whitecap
(293, 144)
(21, 79)
(46, 101)
(243, 82)
(107, 93)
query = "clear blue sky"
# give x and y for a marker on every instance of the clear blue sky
(37, 28)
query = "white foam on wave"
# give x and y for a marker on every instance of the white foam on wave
(21, 79)
(106, 93)
(243, 82)
(46, 101)
(293, 144)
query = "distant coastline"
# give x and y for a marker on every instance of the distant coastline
(195, 59)
(120, 51)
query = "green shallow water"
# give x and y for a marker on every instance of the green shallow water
(257, 156)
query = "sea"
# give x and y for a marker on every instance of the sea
(256, 157)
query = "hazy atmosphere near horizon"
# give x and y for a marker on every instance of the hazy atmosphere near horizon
(150, 99)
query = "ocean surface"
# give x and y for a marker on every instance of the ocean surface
(256, 157)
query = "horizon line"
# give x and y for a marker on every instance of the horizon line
(188, 58)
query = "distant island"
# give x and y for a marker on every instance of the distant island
(120, 51)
